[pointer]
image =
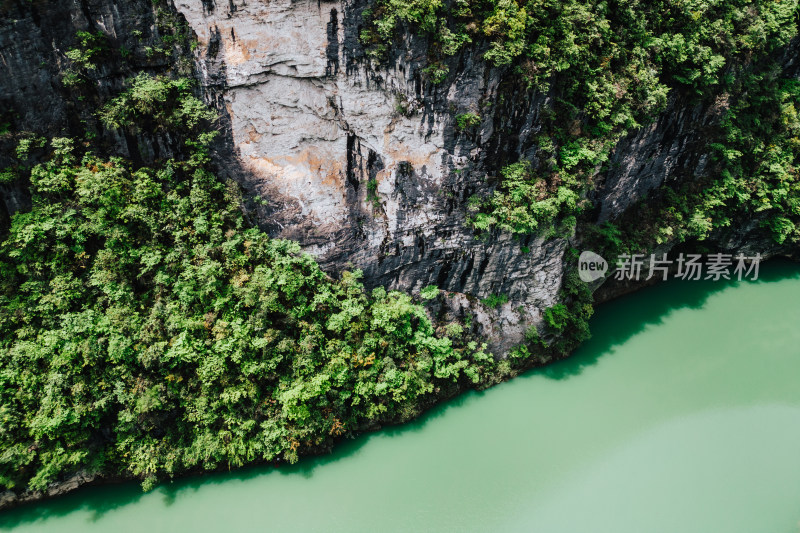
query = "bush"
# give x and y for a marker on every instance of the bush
(429, 293)
(495, 300)
(556, 317)
(467, 120)
(157, 100)
(524, 204)
(91, 47)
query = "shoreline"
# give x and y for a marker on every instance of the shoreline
(83, 479)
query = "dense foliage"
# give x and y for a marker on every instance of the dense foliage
(756, 156)
(145, 331)
(528, 202)
(610, 66)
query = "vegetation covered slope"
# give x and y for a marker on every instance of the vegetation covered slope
(146, 331)
(610, 66)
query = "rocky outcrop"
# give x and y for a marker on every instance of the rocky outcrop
(361, 163)
(670, 149)
(10, 498)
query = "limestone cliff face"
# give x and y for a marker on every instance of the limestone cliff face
(363, 165)
(360, 163)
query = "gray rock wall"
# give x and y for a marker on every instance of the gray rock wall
(361, 163)
(35, 37)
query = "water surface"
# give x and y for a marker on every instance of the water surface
(682, 414)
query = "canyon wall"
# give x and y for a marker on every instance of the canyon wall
(362, 163)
